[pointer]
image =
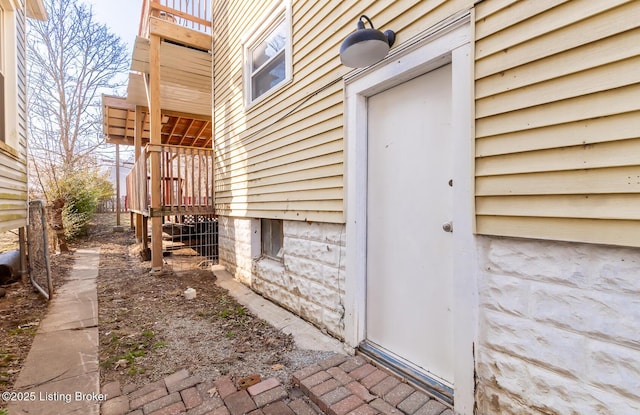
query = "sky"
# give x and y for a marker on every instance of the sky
(123, 19)
(122, 16)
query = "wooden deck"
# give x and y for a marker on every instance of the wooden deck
(186, 178)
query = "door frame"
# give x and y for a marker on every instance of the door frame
(448, 42)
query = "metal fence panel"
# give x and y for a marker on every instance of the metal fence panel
(39, 267)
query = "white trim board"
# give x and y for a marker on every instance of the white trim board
(450, 44)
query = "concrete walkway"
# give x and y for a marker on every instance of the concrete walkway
(60, 374)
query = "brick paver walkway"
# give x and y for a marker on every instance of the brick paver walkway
(339, 385)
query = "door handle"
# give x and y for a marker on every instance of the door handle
(448, 226)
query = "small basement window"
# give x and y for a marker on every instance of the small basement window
(267, 54)
(272, 238)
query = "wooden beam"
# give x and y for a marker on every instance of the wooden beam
(185, 16)
(137, 145)
(182, 35)
(184, 135)
(173, 129)
(156, 139)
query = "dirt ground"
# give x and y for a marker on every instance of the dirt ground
(148, 329)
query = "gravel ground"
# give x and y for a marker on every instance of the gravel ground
(148, 329)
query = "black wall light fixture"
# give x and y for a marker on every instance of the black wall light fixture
(365, 47)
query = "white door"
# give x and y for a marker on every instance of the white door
(409, 203)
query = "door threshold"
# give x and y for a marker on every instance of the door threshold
(432, 387)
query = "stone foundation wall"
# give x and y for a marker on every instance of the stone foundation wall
(559, 328)
(309, 280)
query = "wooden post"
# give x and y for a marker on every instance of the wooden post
(137, 145)
(118, 227)
(156, 139)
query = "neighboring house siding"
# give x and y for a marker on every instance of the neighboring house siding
(13, 163)
(271, 163)
(558, 120)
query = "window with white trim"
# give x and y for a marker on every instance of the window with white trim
(267, 54)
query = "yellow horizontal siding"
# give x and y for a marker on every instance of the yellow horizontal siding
(539, 25)
(558, 120)
(592, 206)
(283, 157)
(572, 36)
(602, 78)
(595, 130)
(615, 48)
(591, 156)
(611, 232)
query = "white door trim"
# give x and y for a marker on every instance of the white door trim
(450, 44)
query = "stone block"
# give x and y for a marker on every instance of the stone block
(161, 403)
(184, 384)
(345, 406)
(353, 363)
(432, 407)
(278, 408)
(374, 378)
(173, 409)
(325, 387)
(364, 410)
(159, 385)
(225, 386)
(116, 406)
(333, 361)
(359, 390)
(413, 402)
(149, 397)
(112, 390)
(239, 403)
(363, 371)
(191, 397)
(207, 407)
(340, 375)
(386, 385)
(300, 407)
(314, 380)
(325, 401)
(305, 373)
(398, 394)
(176, 377)
(269, 396)
(263, 386)
(383, 407)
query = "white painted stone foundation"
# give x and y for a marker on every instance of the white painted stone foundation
(559, 328)
(309, 280)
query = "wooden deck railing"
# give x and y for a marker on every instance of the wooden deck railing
(186, 182)
(192, 14)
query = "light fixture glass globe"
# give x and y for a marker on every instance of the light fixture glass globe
(364, 53)
(364, 47)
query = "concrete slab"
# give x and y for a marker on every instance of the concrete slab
(304, 334)
(60, 355)
(61, 370)
(74, 395)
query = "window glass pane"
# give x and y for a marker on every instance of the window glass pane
(269, 76)
(276, 237)
(269, 47)
(271, 230)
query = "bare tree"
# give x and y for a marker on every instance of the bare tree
(72, 61)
